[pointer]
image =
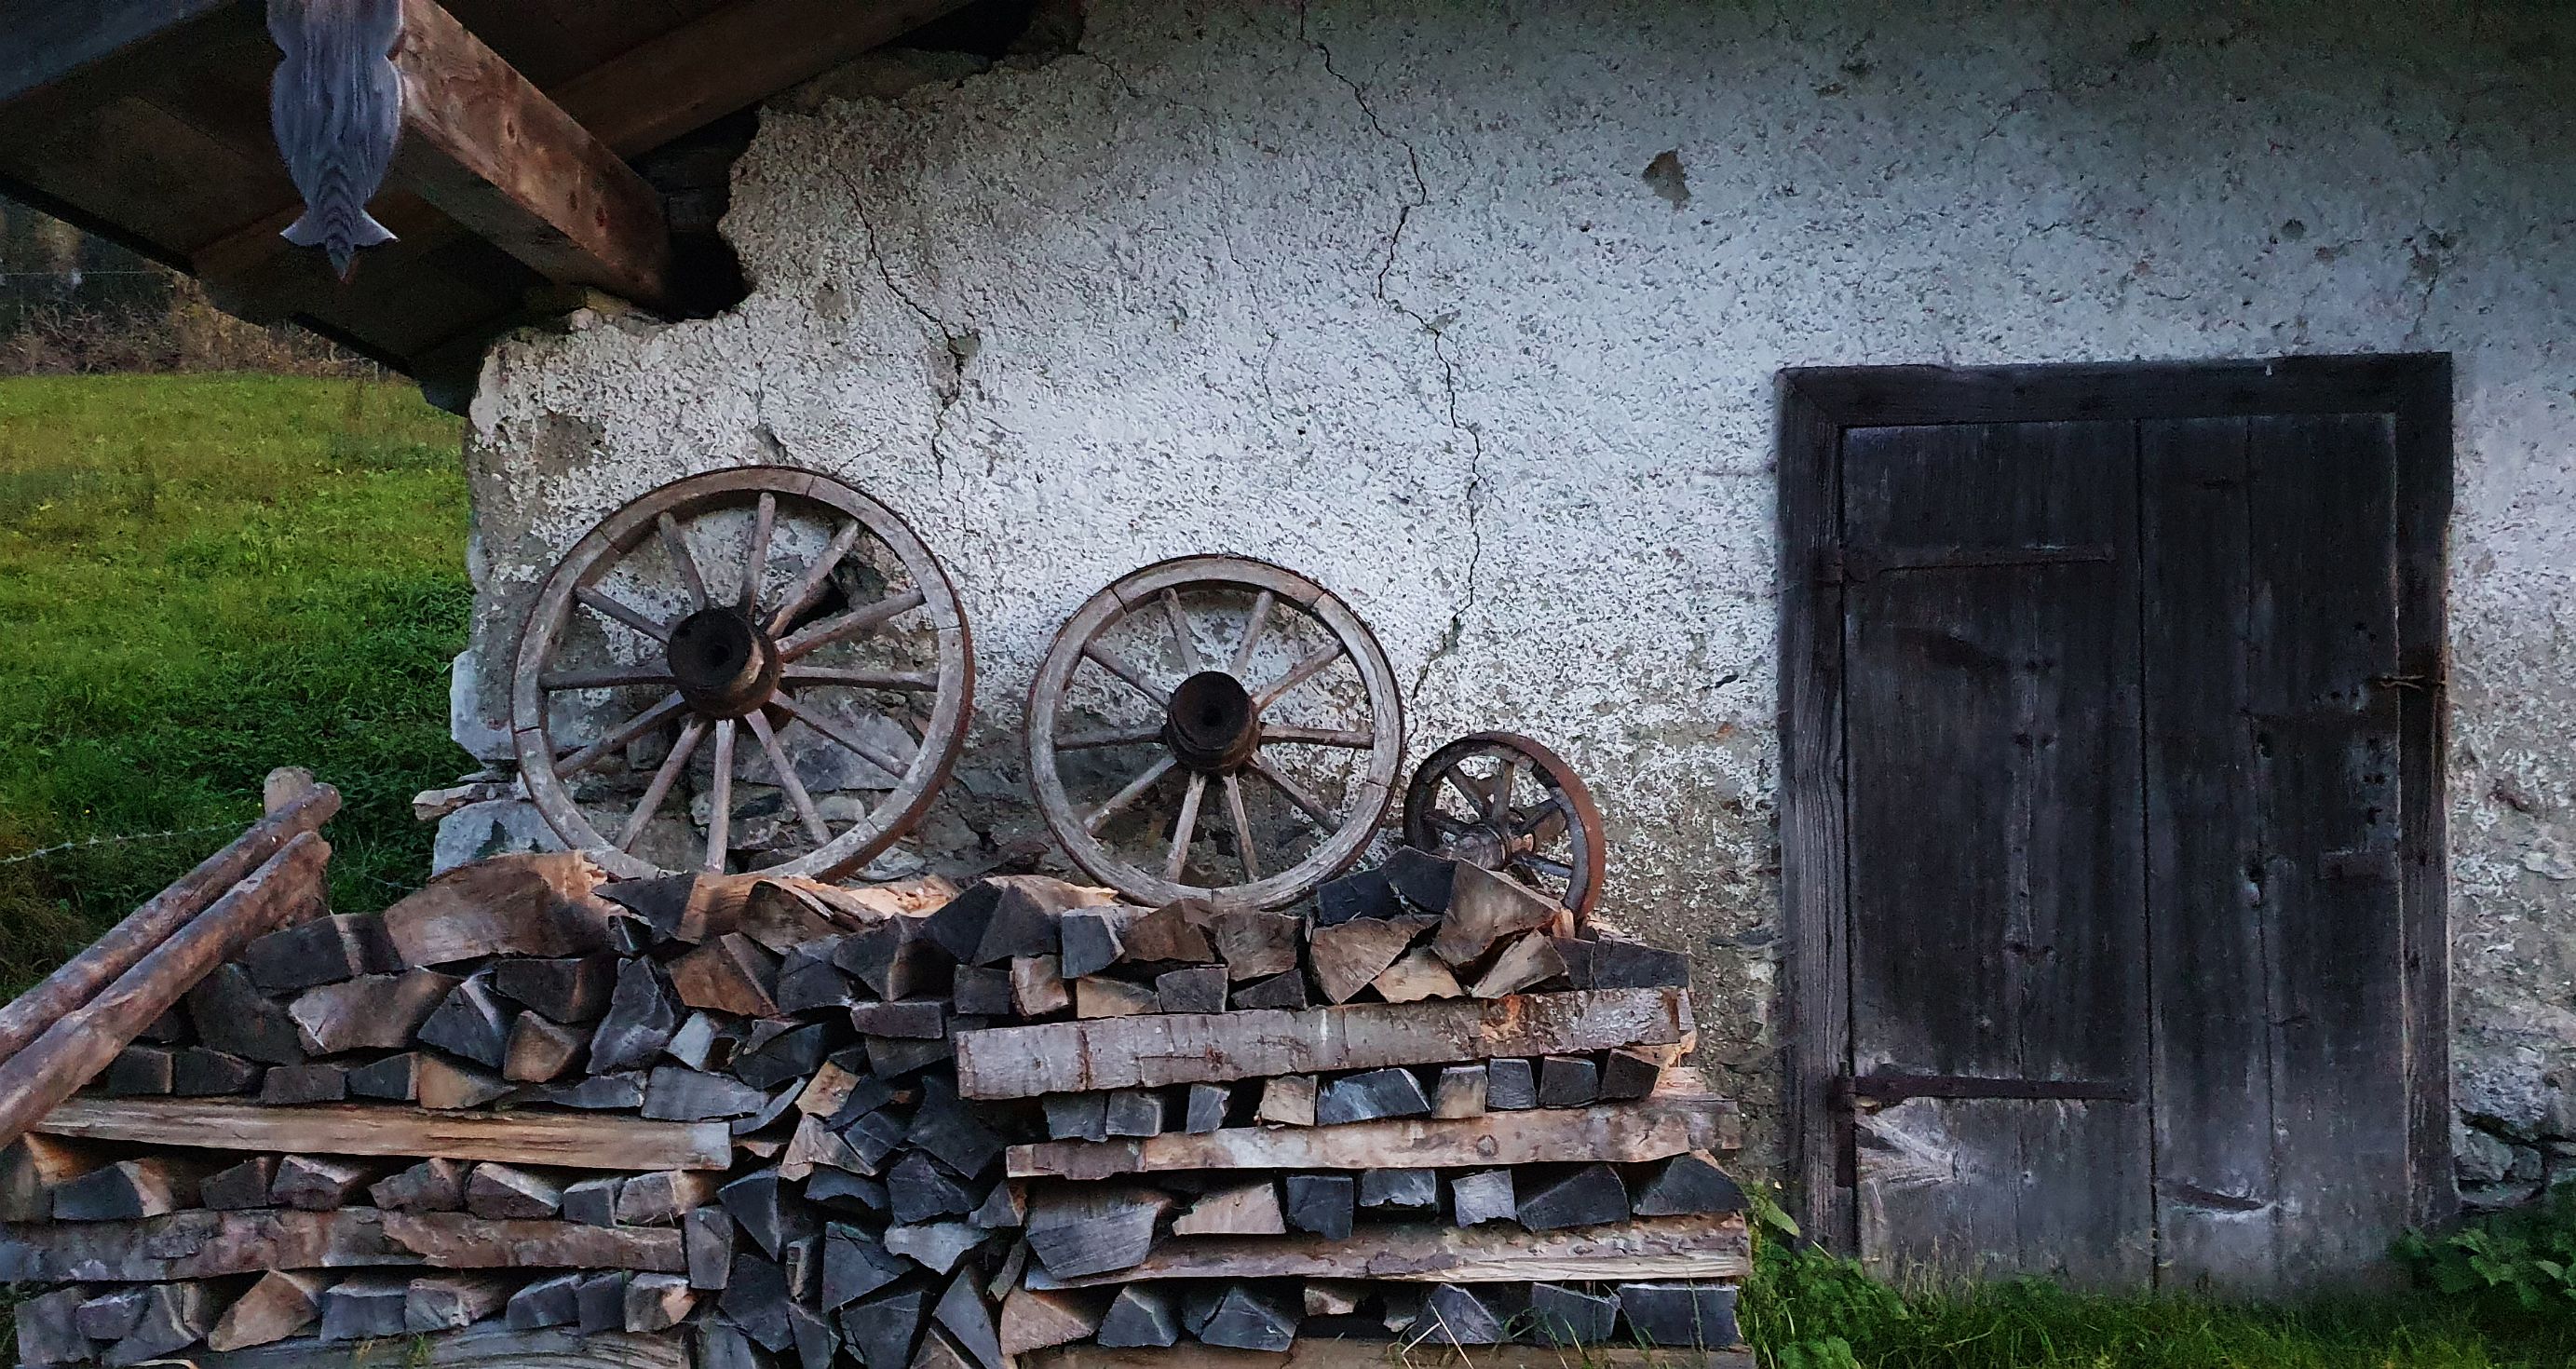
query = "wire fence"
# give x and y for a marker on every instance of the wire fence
(122, 839)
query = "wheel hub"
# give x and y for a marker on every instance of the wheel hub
(1484, 845)
(1210, 725)
(724, 664)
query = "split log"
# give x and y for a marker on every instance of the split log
(31, 1167)
(722, 1345)
(817, 1341)
(1483, 1196)
(203, 1072)
(1510, 1086)
(1141, 1315)
(881, 1330)
(507, 905)
(538, 1050)
(1456, 1316)
(1025, 917)
(1288, 1101)
(1333, 1297)
(324, 951)
(452, 1302)
(1567, 1081)
(112, 1315)
(978, 991)
(470, 1022)
(1370, 1096)
(1484, 908)
(571, 989)
(854, 1266)
(129, 1189)
(808, 980)
(1629, 1074)
(1038, 987)
(756, 1299)
(707, 1241)
(897, 959)
(1033, 1321)
(199, 1243)
(233, 1016)
(498, 1192)
(295, 1085)
(1077, 1116)
(444, 1086)
(1173, 933)
(371, 1012)
(1093, 939)
(699, 1043)
(1243, 1210)
(1005, 1208)
(316, 1183)
(1285, 990)
(599, 1302)
(1101, 997)
(547, 1302)
(1321, 1203)
(658, 1302)
(1688, 1185)
(593, 1201)
(533, 1138)
(80, 1042)
(364, 1307)
(1347, 956)
(1587, 1197)
(949, 1129)
(46, 1330)
(1670, 1248)
(138, 1071)
(1194, 988)
(939, 1350)
(1208, 1105)
(963, 1314)
(1569, 1316)
(731, 974)
(674, 1094)
(490, 1346)
(639, 1020)
(1070, 1057)
(1254, 943)
(782, 914)
(396, 1078)
(1528, 961)
(598, 1093)
(1416, 1189)
(434, 1185)
(920, 1190)
(1093, 1229)
(1134, 1112)
(923, 1019)
(662, 1197)
(891, 1057)
(1424, 880)
(829, 1090)
(240, 1187)
(1367, 894)
(1608, 964)
(175, 1316)
(935, 1246)
(1249, 1319)
(1460, 1092)
(281, 1304)
(761, 1204)
(1680, 1314)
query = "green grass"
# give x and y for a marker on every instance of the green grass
(202, 578)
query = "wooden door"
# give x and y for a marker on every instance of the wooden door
(2111, 826)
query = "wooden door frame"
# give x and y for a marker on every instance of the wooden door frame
(1817, 405)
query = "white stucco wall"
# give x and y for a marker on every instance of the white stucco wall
(1380, 291)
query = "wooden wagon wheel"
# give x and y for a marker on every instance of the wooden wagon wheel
(1201, 712)
(1502, 801)
(826, 639)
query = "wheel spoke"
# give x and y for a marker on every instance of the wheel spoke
(1184, 829)
(1253, 623)
(832, 732)
(1555, 868)
(1118, 665)
(1475, 797)
(610, 678)
(860, 679)
(1318, 736)
(1498, 800)
(756, 558)
(720, 799)
(583, 758)
(663, 779)
(809, 586)
(1298, 674)
(1181, 633)
(1297, 793)
(850, 624)
(1444, 824)
(788, 779)
(684, 561)
(1135, 789)
(1242, 827)
(1547, 821)
(599, 602)
(1119, 736)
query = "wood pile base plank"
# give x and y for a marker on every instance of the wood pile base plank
(1366, 1354)
(202, 1243)
(532, 1138)
(1711, 1247)
(491, 1346)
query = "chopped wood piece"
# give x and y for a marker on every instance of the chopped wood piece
(638, 1023)
(802, 1262)
(46, 1333)
(1248, 1319)
(1371, 1096)
(699, 1043)
(324, 951)
(1077, 1116)
(1174, 932)
(498, 1192)
(958, 925)
(939, 1350)
(592, 1202)
(963, 1313)
(1398, 1188)
(317, 1183)
(239, 1187)
(1024, 917)
(1667, 1248)
(599, 1302)
(1243, 1210)
(501, 906)
(881, 1330)
(673, 1094)
(979, 991)
(370, 1012)
(206, 1244)
(708, 1246)
(1140, 1316)
(1460, 1092)
(658, 1302)
(1179, 1048)
(949, 1129)
(1195, 988)
(1415, 977)
(893, 1056)
(364, 1307)
(782, 914)
(731, 974)
(828, 1091)
(1367, 894)
(854, 1265)
(1681, 1314)
(1346, 956)
(1093, 1228)
(1608, 964)
(31, 1167)
(1483, 1196)
(1208, 1105)
(444, 1086)
(368, 1129)
(1033, 1321)
(1567, 1081)
(1628, 1074)
(290, 1085)
(924, 1019)
(599, 1093)
(1134, 1112)
(175, 1316)
(1321, 1203)
(919, 1190)
(1286, 990)
(1005, 1208)
(1452, 1315)
(724, 1346)
(761, 1204)
(452, 1302)
(139, 1070)
(1485, 907)
(793, 1054)
(1255, 943)
(1093, 939)
(874, 1136)
(1569, 1316)
(1524, 963)
(283, 1302)
(538, 1050)
(233, 1016)
(203, 1072)
(572, 989)
(1037, 986)
(129, 1189)
(112, 1315)
(1425, 880)
(1289, 1100)
(1687, 1185)
(1333, 1297)
(816, 1340)
(1587, 1197)
(433, 1185)
(1510, 1086)
(936, 1246)
(896, 959)
(1098, 997)
(808, 980)
(396, 1078)
(660, 1198)
(547, 1302)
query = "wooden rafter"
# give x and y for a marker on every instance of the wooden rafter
(52, 40)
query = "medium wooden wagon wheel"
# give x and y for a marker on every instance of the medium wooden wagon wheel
(766, 601)
(1502, 801)
(1214, 682)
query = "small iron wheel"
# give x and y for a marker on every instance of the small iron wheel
(1214, 681)
(1502, 801)
(834, 640)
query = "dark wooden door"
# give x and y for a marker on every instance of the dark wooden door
(2111, 707)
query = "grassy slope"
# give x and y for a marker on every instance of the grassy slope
(202, 578)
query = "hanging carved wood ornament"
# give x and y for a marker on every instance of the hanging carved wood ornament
(336, 107)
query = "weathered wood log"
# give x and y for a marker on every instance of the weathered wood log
(592, 1201)
(762, 1205)
(1370, 1096)
(533, 1138)
(233, 1016)
(1249, 1319)
(982, 991)
(1610, 964)
(77, 981)
(939, 1350)
(1166, 1048)
(240, 1187)
(818, 1341)
(1454, 1315)
(324, 951)
(1627, 1074)
(778, 1050)
(128, 1189)
(1093, 939)
(881, 1330)
(174, 1317)
(808, 981)
(1093, 1229)
(599, 1302)
(935, 1246)
(1668, 1248)
(317, 1183)
(295, 1085)
(471, 1022)
(1320, 1203)
(1207, 1108)
(31, 1167)
(1424, 880)
(497, 1192)
(1174, 933)
(658, 1302)
(47, 1332)
(569, 989)
(1486, 1195)
(282, 1303)
(1287, 990)
(492, 1345)
(112, 1315)
(1681, 1313)
(547, 1302)
(640, 1019)
(1510, 1086)
(1288, 1101)
(731, 974)
(699, 1043)
(442, 1085)
(1484, 908)
(963, 1313)
(434, 1185)
(1526, 962)
(1038, 987)
(1033, 1321)
(79, 1043)
(370, 1012)
(364, 1307)
(1102, 997)
(1367, 894)
(707, 1242)
(1025, 917)
(538, 1049)
(452, 1302)
(1587, 1197)
(204, 1072)
(948, 1128)
(139, 1071)
(1567, 1081)
(1134, 1112)
(1687, 1185)
(1077, 1116)
(675, 1094)
(1141, 1315)
(507, 905)
(1569, 1316)
(1459, 1092)
(1402, 1189)
(1240, 1210)
(782, 914)
(1347, 956)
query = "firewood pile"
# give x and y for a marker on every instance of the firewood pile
(737, 1120)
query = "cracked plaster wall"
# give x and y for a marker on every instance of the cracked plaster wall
(1472, 313)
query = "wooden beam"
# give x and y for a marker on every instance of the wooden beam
(1153, 1050)
(1708, 1247)
(527, 1138)
(488, 1346)
(1625, 1133)
(200, 1244)
(50, 40)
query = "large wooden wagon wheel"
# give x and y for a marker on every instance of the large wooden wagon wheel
(1214, 682)
(766, 601)
(1502, 801)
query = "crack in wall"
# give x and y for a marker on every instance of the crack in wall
(959, 348)
(1434, 326)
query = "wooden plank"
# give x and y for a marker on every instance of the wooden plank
(204, 1244)
(1170, 1048)
(2418, 390)
(534, 1138)
(1711, 1247)
(488, 1346)
(1368, 1354)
